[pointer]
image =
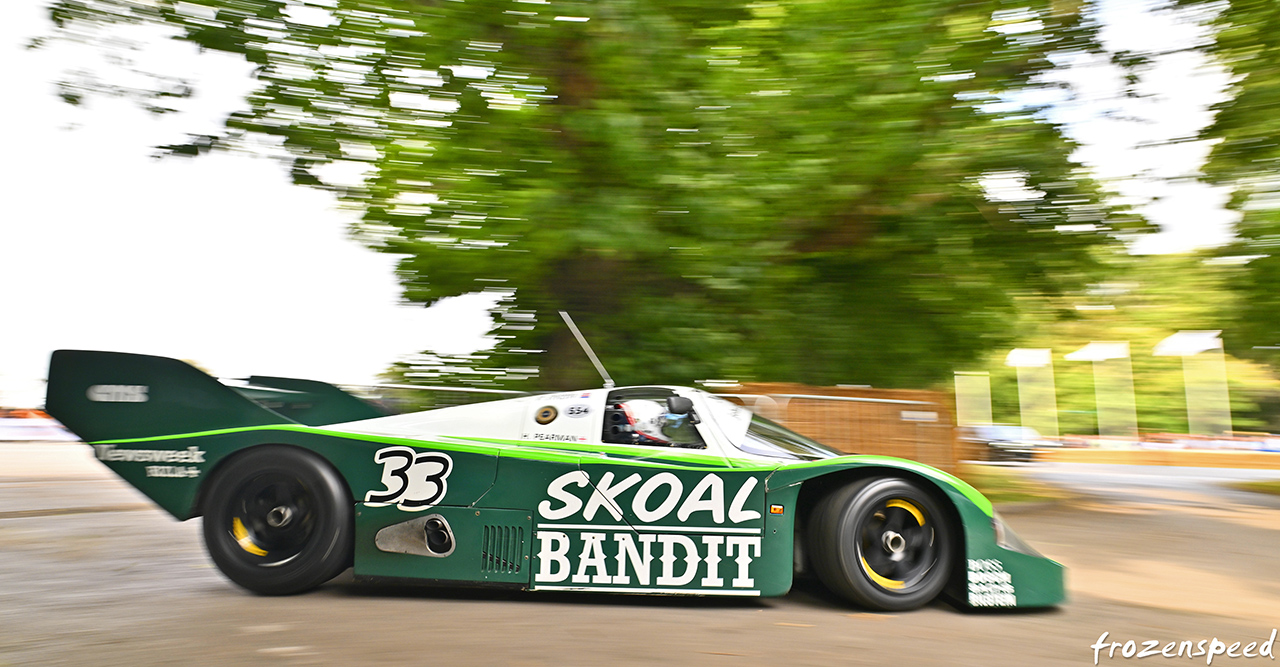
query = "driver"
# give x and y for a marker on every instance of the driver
(654, 425)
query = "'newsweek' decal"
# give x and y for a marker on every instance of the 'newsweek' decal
(709, 552)
(188, 455)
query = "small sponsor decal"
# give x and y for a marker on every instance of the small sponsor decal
(546, 415)
(412, 480)
(118, 393)
(989, 584)
(181, 472)
(578, 410)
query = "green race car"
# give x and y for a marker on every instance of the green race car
(652, 490)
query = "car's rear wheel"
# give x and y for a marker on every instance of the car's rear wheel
(883, 543)
(278, 521)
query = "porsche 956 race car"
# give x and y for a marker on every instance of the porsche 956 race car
(649, 490)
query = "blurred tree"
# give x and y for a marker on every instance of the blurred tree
(1246, 157)
(828, 191)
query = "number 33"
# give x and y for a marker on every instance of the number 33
(412, 479)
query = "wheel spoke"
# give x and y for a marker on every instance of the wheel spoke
(878, 560)
(896, 517)
(280, 494)
(915, 538)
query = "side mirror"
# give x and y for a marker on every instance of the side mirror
(679, 405)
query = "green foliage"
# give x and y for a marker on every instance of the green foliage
(761, 191)
(1247, 158)
(1271, 487)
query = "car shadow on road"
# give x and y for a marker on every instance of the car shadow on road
(805, 591)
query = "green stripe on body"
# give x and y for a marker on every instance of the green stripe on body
(521, 449)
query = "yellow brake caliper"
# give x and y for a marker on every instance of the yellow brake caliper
(246, 542)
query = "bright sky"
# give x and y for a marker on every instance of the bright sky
(222, 261)
(1118, 135)
(217, 259)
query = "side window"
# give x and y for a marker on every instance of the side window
(641, 417)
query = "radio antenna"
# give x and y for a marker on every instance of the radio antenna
(608, 381)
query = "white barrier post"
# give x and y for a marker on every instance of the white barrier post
(1112, 388)
(1037, 397)
(1204, 374)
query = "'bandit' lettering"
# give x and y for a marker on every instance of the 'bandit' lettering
(681, 557)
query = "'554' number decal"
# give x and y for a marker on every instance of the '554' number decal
(412, 479)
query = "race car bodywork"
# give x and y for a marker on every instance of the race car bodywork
(298, 480)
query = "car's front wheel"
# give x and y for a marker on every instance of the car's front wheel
(884, 543)
(278, 521)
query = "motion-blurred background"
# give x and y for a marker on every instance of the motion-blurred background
(833, 192)
(1050, 224)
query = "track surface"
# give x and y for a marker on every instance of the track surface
(92, 574)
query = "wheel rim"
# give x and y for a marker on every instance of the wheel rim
(897, 547)
(272, 518)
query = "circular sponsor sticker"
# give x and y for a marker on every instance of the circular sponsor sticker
(546, 415)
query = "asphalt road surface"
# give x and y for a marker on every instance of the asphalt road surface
(92, 574)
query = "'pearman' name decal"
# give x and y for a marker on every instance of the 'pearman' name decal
(118, 393)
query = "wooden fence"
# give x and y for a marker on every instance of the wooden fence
(910, 424)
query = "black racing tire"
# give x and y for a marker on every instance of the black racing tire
(883, 543)
(278, 520)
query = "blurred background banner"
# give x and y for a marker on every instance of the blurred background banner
(1037, 397)
(1204, 371)
(1113, 388)
(973, 399)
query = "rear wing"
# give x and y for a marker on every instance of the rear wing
(118, 396)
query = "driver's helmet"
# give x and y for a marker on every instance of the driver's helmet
(654, 425)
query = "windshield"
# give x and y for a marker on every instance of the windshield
(767, 438)
(760, 437)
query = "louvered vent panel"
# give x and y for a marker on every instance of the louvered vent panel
(502, 550)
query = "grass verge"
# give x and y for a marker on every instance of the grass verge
(1008, 485)
(1271, 486)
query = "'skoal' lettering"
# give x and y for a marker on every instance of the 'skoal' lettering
(654, 500)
